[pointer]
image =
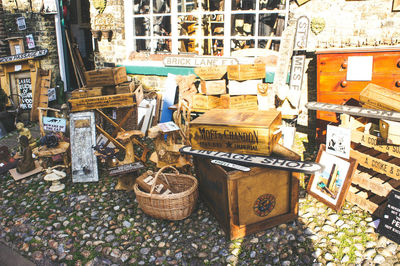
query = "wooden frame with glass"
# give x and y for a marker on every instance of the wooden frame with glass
(331, 185)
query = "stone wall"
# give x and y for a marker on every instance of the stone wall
(3, 44)
(345, 23)
(111, 18)
(40, 25)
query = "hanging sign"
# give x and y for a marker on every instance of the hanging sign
(389, 225)
(354, 110)
(254, 160)
(23, 56)
(199, 61)
(301, 37)
(54, 124)
(21, 23)
(25, 91)
(30, 41)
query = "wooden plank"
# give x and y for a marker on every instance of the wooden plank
(360, 199)
(91, 103)
(83, 138)
(354, 110)
(374, 142)
(375, 185)
(23, 57)
(376, 164)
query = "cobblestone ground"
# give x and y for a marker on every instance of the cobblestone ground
(93, 224)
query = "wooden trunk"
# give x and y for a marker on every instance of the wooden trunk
(247, 202)
(226, 130)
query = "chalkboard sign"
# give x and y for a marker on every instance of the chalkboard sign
(389, 225)
(25, 91)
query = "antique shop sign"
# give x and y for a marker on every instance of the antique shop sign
(199, 61)
(389, 225)
(301, 36)
(23, 56)
(231, 165)
(125, 168)
(54, 124)
(254, 160)
(91, 103)
(354, 110)
(296, 79)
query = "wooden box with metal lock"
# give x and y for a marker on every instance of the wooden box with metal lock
(247, 202)
(342, 74)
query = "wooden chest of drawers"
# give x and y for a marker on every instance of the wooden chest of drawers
(332, 67)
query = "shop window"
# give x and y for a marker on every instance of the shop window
(204, 27)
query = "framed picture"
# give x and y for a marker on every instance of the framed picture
(332, 184)
(396, 5)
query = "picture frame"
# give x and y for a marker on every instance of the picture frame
(396, 5)
(332, 184)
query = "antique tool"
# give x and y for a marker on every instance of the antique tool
(255, 160)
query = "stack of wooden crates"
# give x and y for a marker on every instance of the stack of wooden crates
(379, 161)
(228, 87)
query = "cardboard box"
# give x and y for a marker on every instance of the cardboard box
(227, 130)
(205, 102)
(245, 72)
(244, 87)
(247, 202)
(241, 102)
(105, 77)
(213, 87)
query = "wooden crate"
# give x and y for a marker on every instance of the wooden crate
(240, 102)
(211, 73)
(227, 130)
(205, 102)
(378, 97)
(247, 202)
(105, 77)
(245, 72)
(86, 92)
(377, 174)
(213, 87)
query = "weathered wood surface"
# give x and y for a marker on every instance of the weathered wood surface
(205, 102)
(354, 110)
(213, 87)
(83, 139)
(105, 77)
(24, 56)
(91, 103)
(86, 92)
(239, 102)
(360, 199)
(253, 160)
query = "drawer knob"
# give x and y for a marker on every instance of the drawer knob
(344, 65)
(343, 83)
(397, 83)
(398, 64)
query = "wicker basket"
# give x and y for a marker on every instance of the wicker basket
(176, 206)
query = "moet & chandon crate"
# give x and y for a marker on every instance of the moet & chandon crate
(238, 131)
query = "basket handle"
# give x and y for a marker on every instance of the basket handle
(161, 172)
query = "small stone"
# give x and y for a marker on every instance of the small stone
(110, 238)
(379, 259)
(203, 255)
(215, 249)
(144, 251)
(232, 259)
(178, 255)
(253, 254)
(116, 253)
(161, 244)
(339, 223)
(328, 229)
(333, 217)
(85, 253)
(126, 224)
(328, 257)
(37, 255)
(116, 208)
(254, 240)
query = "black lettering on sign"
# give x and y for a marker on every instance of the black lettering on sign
(255, 160)
(389, 225)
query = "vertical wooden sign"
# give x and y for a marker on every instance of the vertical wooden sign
(83, 138)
